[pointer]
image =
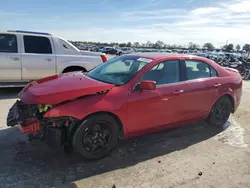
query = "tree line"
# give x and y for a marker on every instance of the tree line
(161, 45)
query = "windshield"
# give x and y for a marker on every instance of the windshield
(119, 70)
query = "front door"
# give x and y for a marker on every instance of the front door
(38, 59)
(10, 59)
(149, 109)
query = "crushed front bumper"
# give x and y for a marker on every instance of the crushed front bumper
(53, 131)
(17, 116)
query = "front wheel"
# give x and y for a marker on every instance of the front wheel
(96, 136)
(220, 112)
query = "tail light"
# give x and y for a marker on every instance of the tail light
(104, 58)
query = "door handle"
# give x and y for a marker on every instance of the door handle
(48, 59)
(178, 91)
(15, 58)
(217, 85)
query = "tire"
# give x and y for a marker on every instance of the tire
(220, 112)
(91, 139)
(120, 53)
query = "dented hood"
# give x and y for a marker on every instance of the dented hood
(59, 88)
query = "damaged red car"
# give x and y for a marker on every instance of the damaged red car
(127, 96)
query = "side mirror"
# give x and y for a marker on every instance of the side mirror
(147, 85)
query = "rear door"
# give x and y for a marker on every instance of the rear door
(200, 88)
(10, 59)
(38, 58)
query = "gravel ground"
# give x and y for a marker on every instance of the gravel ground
(191, 156)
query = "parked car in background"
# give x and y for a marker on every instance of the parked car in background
(124, 50)
(94, 49)
(83, 48)
(109, 51)
(166, 51)
(27, 56)
(127, 96)
(100, 49)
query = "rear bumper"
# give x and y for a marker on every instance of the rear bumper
(237, 100)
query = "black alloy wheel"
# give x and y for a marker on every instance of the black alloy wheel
(220, 112)
(96, 136)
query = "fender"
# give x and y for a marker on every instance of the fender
(234, 91)
(85, 106)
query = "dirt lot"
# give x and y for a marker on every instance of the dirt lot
(192, 156)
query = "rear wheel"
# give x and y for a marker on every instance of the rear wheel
(96, 136)
(220, 112)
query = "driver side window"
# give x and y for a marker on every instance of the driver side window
(166, 72)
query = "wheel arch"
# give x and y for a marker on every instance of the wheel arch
(73, 67)
(231, 98)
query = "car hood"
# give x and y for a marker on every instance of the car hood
(59, 88)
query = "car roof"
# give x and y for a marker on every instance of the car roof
(153, 55)
(21, 32)
(168, 56)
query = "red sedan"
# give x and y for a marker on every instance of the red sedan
(127, 96)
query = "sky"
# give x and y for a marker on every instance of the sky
(171, 21)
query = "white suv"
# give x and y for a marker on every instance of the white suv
(27, 56)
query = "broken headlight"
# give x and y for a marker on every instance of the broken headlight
(44, 108)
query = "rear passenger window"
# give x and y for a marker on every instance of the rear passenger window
(65, 46)
(37, 45)
(8, 43)
(198, 69)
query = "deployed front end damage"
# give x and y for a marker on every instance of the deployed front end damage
(41, 96)
(29, 119)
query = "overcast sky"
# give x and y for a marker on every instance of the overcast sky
(172, 21)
